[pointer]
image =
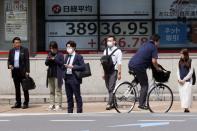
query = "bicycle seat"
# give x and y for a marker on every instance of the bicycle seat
(131, 72)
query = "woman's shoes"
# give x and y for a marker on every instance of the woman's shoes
(186, 111)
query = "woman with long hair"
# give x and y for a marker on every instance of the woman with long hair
(184, 73)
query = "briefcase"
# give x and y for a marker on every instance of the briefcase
(28, 83)
(85, 73)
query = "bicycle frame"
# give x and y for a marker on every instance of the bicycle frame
(135, 84)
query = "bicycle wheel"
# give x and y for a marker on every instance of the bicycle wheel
(160, 99)
(124, 97)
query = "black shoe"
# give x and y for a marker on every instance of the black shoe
(186, 111)
(25, 107)
(143, 107)
(109, 107)
(16, 106)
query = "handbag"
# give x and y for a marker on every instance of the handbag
(28, 83)
(85, 73)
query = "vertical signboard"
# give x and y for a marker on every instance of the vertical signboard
(15, 19)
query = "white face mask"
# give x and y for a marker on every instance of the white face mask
(69, 50)
(110, 44)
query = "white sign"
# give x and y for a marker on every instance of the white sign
(83, 33)
(126, 9)
(16, 19)
(71, 9)
(166, 9)
(13, 29)
(18, 16)
(129, 35)
(15, 5)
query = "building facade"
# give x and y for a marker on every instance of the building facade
(88, 22)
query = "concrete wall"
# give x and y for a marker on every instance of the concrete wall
(93, 85)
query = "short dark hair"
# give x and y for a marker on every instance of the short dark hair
(112, 36)
(71, 43)
(53, 45)
(155, 37)
(16, 38)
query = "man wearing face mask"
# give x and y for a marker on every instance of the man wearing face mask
(55, 62)
(73, 62)
(111, 75)
(146, 56)
(18, 62)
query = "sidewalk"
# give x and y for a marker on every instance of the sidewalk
(43, 99)
(90, 107)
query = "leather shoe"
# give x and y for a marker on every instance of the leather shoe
(186, 111)
(143, 107)
(25, 107)
(109, 107)
(16, 106)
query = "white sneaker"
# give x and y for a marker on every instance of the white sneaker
(58, 108)
(51, 107)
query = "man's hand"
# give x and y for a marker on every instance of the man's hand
(52, 58)
(11, 67)
(181, 82)
(103, 76)
(119, 75)
(68, 66)
(27, 73)
(159, 69)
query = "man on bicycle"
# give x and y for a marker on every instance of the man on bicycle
(146, 56)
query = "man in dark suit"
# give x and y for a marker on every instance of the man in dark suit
(18, 62)
(73, 62)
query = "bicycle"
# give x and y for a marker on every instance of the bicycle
(126, 94)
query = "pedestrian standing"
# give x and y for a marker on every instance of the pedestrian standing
(111, 61)
(18, 62)
(184, 73)
(73, 62)
(55, 62)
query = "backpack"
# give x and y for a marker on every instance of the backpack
(107, 62)
(194, 77)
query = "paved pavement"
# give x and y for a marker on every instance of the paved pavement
(90, 107)
(95, 118)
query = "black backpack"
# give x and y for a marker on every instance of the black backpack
(194, 77)
(107, 62)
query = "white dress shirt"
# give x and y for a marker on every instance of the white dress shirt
(16, 58)
(69, 71)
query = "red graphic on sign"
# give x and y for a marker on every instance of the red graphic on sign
(56, 9)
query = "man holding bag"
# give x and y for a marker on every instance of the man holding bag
(18, 62)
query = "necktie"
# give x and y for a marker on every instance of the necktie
(68, 62)
(69, 58)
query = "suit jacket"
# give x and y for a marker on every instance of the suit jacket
(59, 60)
(78, 64)
(23, 61)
